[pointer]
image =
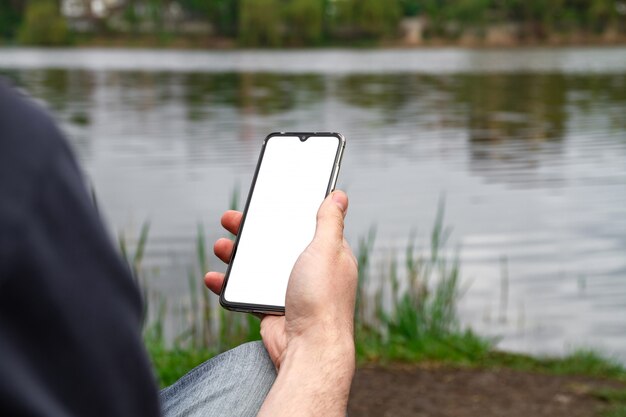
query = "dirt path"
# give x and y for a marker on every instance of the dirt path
(420, 391)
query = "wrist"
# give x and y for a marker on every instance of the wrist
(313, 379)
(338, 347)
(317, 374)
(330, 355)
(327, 342)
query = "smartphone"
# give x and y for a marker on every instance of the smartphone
(294, 174)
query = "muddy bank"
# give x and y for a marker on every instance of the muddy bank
(419, 391)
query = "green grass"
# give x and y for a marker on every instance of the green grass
(615, 400)
(412, 315)
(170, 363)
(618, 411)
(407, 315)
(579, 362)
(611, 395)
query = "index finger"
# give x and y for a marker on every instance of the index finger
(231, 220)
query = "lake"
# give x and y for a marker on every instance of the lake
(526, 147)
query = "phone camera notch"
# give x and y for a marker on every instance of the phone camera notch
(303, 138)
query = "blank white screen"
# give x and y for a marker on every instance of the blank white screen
(280, 222)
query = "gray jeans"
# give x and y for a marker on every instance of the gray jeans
(234, 383)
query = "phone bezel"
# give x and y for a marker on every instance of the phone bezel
(332, 181)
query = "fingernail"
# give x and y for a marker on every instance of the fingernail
(340, 200)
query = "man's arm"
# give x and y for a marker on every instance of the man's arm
(313, 344)
(313, 380)
(70, 312)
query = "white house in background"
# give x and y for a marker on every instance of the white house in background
(89, 9)
(83, 15)
(73, 9)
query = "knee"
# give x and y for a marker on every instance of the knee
(252, 358)
(233, 383)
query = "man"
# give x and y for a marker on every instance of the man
(70, 313)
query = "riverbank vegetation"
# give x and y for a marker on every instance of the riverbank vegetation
(408, 316)
(274, 23)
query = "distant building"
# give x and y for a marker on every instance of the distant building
(85, 15)
(89, 9)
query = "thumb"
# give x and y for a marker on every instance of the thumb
(330, 217)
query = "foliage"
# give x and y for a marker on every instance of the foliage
(11, 12)
(156, 11)
(43, 25)
(377, 18)
(135, 261)
(304, 21)
(616, 400)
(259, 23)
(539, 17)
(313, 22)
(411, 7)
(222, 14)
(421, 322)
(615, 411)
(612, 395)
(469, 13)
(172, 363)
(410, 316)
(201, 8)
(373, 18)
(579, 362)
(131, 16)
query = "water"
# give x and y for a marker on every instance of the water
(527, 146)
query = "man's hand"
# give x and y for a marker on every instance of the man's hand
(313, 344)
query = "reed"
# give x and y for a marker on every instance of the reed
(408, 313)
(414, 315)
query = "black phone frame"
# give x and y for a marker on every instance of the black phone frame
(262, 308)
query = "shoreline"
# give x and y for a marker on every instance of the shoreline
(336, 61)
(181, 42)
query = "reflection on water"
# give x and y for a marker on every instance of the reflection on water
(532, 165)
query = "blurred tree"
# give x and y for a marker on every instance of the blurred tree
(304, 21)
(11, 12)
(131, 16)
(469, 13)
(450, 17)
(373, 18)
(342, 12)
(535, 16)
(224, 15)
(307, 22)
(43, 24)
(377, 17)
(260, 22)
(156, 10)
(604, 13)
(411, 7)
(435, 12)
(200, 8)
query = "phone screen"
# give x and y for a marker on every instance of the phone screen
(292, 180)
